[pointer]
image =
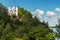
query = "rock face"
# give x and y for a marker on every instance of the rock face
(13, 11)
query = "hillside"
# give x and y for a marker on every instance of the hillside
(27, 29)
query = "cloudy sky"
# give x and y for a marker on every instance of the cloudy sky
(48, 10)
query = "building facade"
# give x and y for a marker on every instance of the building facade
(13, 11)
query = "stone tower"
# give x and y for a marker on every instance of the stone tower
(13, 11)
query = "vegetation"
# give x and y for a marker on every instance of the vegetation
(58, 28)
(27, 29)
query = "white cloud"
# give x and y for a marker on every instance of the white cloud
(32, 12)
(57, 9)
(41, 12)
(38, 13)
(52, 21)
(50, 14)
(58, 16)
(51, 17)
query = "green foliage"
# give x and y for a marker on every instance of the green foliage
(58, 28)
(27, 29)
(50, 36)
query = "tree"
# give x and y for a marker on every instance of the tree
(27, 29)
(58, 28)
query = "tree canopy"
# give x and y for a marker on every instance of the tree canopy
(27, 29)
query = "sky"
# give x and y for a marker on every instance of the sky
(48, 10)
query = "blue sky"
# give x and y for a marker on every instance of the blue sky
(33, 4)
(41, 5)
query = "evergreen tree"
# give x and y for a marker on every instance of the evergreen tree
(27, 29)
(58, 28)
